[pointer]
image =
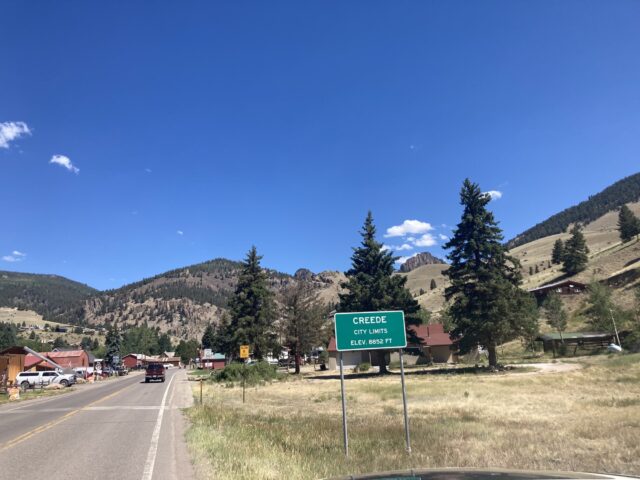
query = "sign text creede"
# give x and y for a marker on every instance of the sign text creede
(370, 330)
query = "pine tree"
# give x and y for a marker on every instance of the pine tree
(113, 344)
(558, 252)
(252, 310)
(575, 256)
(164, 343)
(487, 306)
(208, 338)
(372, 286)
(530, 270)
(304, 320)
(628, 224)
(556, 315)
(600, 307)
(433, 285)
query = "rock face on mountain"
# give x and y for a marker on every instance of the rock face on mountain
(423, 258)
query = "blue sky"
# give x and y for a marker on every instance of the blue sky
(185, 131)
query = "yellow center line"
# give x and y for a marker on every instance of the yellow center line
(47, 426)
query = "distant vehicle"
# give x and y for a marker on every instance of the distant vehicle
(122, 370)
(35, 379)
(155, 371)
(168, 365)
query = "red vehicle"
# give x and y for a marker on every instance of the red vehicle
(155, 371)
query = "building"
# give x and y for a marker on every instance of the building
(564, 287)
(208, 359)
(435, 345)
(169, 357)
(65, 359)
(133, 360)
(11, 363)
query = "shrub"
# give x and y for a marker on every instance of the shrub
(362, 367)
(632, 342)
(254, 374)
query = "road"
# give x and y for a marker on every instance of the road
(118, 429)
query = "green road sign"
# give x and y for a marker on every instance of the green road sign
(370, 330)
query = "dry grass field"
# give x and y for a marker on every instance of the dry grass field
(586, 419)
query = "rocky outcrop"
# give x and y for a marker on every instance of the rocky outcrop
(423, 258)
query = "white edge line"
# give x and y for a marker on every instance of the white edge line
(155, 437)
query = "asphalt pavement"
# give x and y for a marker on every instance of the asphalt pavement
(122, 428)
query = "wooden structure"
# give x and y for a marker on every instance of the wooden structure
(551, 342)
(564, 287)
(11, 363)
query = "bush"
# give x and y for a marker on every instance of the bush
(632, 342)
(254, 374)
(362, 367)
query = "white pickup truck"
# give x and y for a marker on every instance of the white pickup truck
(36, 379)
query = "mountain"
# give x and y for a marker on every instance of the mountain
(611, 198)
(180, 302)
(423, 258)
(54, 297)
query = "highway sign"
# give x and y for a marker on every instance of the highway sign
(244, 351)
(370, 330)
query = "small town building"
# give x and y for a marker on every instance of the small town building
(11, 363)
(76, 359)
(210, 360)
(133, 361)
(564, 287)
(170, 358)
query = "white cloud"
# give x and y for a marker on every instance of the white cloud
(10, 131)
(442, 237)
(65, 162)
(403, 260)
(404, 246)
(494, 194)
(179, 232)
(408, 227)
(425, 240)
(16, 256)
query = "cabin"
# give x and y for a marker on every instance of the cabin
(210, 360)
(564, 287)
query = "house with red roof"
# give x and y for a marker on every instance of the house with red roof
(66, 359)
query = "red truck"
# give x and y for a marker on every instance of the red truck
(155, 371)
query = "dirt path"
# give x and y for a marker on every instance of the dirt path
(543, 368)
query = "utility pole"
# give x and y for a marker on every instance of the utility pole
(615, 328)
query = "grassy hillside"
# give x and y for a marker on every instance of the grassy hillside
(623, 191)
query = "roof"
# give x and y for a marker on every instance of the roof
(65, 354)
(570, 283)
(15, 350)
(575, 336)
(432, 335)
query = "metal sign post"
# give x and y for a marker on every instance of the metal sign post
(404, 404)
(244, 354)
(371, 331)
(344, 409)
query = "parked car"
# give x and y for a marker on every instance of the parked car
(35, 379)
(155, 371)
(122, 370)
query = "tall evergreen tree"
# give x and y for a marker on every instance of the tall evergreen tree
(208, 338)
(556, 315)
(304, 320)
(164, 343)
(252, 310)
(487, 307)
(371, 285)
(113, 344)
(576, 252)
(433, 285)
(628, 224)
(558, 252)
